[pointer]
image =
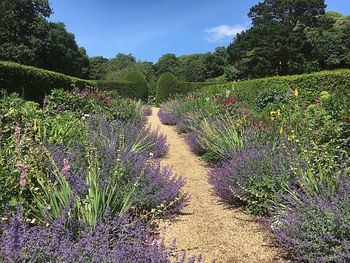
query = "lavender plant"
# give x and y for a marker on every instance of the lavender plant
(314, 227)
(119, 239)
(167, 118)
(252, 177)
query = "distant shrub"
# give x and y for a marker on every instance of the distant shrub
(139, 87)
(167, 86)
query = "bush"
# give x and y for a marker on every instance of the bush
(34, 83)
(167, 86)
(315, 228)
(66, 240)
(252, 176)
(139, 87)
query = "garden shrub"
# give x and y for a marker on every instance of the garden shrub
(313, 227)
(309, 85)
(167, 86)
(119, 239)
(251, 176)
(139, 87)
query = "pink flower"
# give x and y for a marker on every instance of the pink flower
(23, 169)
(66, 167)
(17, 135)
(244, 112)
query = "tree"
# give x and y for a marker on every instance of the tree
(192, 68)
(330, 42)
(216, 63)
(167, 63)
(98, 66)
(276, 44)
(28, 38)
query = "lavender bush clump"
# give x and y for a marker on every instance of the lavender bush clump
(314, 227)
(252, 176)
(68, 240)
(128, 145)
(195, 146)
(158, 188)
(148, 111)
(167, 118)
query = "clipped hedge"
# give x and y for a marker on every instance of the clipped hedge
(139, 89)
(168, 86)
(337, 82)
(34, 83)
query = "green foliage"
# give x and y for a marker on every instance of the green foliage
(28, 38)
(167, 86)
(33, 83)
(167, 63)
(309, 85)
(219, 137)
(290, 37)
(139, 85)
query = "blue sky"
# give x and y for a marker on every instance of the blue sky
(151, 28)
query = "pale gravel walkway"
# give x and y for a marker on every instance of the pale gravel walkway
(206, 226)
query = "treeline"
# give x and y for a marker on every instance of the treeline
(286, 37)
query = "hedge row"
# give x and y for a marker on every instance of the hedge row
(134, 86)
(336, 82)
(168, 86)
(34, 83)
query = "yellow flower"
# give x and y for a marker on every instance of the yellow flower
(291, 138)
(296, 93)
(281, 131)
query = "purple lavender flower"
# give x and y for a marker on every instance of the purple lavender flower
(68, 240)
(167, 118)
(192, 141)
(148, 111)
(251, 176)
(315, 227)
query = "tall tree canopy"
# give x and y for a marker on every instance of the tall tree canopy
(276, 43)
(28, 38)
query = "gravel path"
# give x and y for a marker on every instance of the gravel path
(205, 225)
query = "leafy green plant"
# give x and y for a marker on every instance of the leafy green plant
(219, 137)
(166, 86)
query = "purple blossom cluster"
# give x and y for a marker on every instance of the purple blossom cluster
(251, 176)
(115, 142)
(167, 118)
(193, 142)
(68, 240)
(148, 111)
(315, 227)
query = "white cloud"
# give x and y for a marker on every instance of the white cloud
(223, 32)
